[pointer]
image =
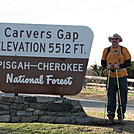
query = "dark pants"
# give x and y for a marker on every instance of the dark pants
(112, 90)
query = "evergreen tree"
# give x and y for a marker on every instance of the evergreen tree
(131, 70)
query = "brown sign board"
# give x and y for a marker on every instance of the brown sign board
(43, 59)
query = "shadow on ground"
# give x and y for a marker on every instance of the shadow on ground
(128, 125)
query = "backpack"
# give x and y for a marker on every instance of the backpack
(108, 50)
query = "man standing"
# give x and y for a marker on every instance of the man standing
(115, 59)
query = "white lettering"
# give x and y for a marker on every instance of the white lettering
(63, 66)
(57, 66)
(60, 67)
(14, 65)
(46, 66)
(53, 81)
(51, 66)
(80, 66)
(72, 67)
(40, 66)
(75, 67)
(22, 79)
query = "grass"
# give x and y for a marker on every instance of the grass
(94, 91)
(130, 93)
(45, 128)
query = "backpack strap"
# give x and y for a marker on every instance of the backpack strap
(121, 50)
(108, 50)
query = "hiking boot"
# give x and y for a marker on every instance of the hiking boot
(111, 120)
(120, 120)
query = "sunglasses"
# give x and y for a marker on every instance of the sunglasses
(114, 39)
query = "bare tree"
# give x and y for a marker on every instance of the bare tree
(96, 70)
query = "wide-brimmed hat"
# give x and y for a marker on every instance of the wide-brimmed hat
(115, 35)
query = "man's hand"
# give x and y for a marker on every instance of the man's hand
(116, 66)
(109, 66)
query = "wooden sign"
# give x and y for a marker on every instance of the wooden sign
(43, 59)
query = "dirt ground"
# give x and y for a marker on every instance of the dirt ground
(127, 128)
(99, 97)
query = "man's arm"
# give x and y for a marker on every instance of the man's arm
(104, 64)
(127, 63)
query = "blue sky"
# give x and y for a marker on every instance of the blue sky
(104, 17)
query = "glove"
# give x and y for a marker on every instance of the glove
(109, 66)
(116, 66)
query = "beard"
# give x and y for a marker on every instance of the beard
(115, 44)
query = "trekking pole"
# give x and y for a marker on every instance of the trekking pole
(119, 96)
(108, 78)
